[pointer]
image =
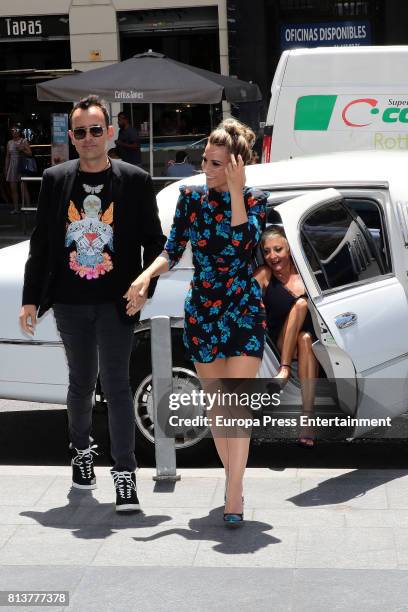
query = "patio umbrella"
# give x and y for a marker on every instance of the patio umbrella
(150, 78)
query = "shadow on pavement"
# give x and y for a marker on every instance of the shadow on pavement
(345, 487)
(248, 538)
(89, 519)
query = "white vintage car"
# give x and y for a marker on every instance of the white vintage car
(346, 219)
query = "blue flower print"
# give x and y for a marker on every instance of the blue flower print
(253, 344)
(229, 250)
(222, 229)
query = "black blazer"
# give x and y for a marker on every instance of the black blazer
(136, 224)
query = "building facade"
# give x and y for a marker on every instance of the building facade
(42, 39)
(261, 29)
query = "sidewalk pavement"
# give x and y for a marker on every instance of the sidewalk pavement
(314, 540)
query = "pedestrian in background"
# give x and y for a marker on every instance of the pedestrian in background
(94, 216)
(17, 147)
(128, 144)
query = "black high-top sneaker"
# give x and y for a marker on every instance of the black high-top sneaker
(126, 494)
(83, 475)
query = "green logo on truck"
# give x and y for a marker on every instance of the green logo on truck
(314, 112)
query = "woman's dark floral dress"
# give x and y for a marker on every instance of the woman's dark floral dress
(224, 313)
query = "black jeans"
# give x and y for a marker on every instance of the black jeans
(96, 339)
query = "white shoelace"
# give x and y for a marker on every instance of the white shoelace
(123, 483)
(84, 460)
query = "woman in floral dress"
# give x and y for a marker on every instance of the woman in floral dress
(224, 314)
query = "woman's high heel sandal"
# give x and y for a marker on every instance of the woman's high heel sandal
(283, 365)
(233, 519)
(281, 379)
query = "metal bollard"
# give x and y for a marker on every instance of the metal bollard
(165, 449)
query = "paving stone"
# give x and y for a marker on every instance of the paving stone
(6, 532)
(202, 589)
(301, 517)
(26, 490)
(397, 494)
(270, 493)
(349, 590)
(347, 548)
(39, 578)
(156, 546)
(358, 517)
(401, 545)
(36, 545)
(399, 518)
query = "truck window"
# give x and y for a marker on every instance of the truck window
(341, 248)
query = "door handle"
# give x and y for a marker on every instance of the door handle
(345, 320)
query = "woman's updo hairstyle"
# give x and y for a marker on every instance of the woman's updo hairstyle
(235, 136)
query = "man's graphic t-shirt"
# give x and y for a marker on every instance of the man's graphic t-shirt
(86, 273)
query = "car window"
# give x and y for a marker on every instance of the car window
(372, 216)
(339, 245)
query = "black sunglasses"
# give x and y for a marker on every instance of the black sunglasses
(95, 130)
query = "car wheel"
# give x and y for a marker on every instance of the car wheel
(192, 443)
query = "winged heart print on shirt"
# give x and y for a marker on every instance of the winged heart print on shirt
(92, 233)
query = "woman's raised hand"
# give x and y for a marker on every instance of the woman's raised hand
(136, 295)
(235, 173)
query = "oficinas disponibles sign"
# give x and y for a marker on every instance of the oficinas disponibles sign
(328, 34)
(45, 26)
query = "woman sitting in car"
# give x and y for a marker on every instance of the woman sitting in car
(289, 322)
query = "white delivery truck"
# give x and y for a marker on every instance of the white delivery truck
(337, 99)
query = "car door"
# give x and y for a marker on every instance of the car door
(359, 305)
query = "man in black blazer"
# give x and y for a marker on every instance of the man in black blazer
(94, 215)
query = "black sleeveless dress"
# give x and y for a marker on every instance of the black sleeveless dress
(278, 301)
